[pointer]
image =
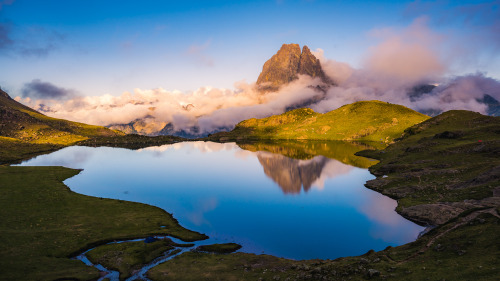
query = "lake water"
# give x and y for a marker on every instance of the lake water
(293, 200)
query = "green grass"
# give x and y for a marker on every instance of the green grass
(44, 223)
(447, 159)
(25, 124)
(14, 151)
(361, 121)
(128, 257)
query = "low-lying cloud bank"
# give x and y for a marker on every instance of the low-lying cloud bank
(393, 69)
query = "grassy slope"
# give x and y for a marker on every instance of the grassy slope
(440, 163)
(23, 123)
(362, 121)
(43, 223)
(25, 132)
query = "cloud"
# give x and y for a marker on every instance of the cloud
(37, 89)
(208, 108)
(27, 41)
(39, 42)
(408, 55)
(472, 29)
(402, 59)
(5, 41)
(32, 41)
(5, 3)
(197, 52)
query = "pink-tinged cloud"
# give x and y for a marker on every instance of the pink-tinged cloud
(408, 55)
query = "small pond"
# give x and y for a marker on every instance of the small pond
(293, 200)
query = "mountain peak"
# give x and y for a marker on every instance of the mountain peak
(285, 66)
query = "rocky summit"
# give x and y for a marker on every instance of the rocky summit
(286, 65)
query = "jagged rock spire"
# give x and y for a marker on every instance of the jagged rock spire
(286, 65)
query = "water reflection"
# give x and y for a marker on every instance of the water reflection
(296, 165)
(243, 195)
(292, 174)
(338, 150)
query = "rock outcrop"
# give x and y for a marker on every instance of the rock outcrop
(286, 65)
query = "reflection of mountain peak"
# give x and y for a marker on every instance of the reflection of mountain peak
(292, 174)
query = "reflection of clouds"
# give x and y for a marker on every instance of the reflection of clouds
(332, 169)
(243, 154)
(400, 233)
(205, 147)
(66, 157)
(389, 226)
(161, 148)
(203, 206)
(380, 208)
(212, 146)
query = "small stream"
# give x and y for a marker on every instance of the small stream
(141, 273)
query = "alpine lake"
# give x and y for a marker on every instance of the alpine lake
(297, 200)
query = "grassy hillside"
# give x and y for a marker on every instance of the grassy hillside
(25, 124)
(442, 167)
(361, 121)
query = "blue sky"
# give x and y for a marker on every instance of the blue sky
(108, 47)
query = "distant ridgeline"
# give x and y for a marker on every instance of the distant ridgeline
(360, 121)
(419, 91)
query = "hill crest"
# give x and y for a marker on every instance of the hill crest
(360, 121)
